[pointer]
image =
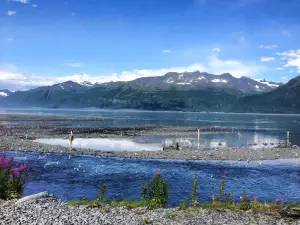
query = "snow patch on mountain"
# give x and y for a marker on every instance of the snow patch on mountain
(3, 94)
(182, 83)
(269, 84)
(219, 81)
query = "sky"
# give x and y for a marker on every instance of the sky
(43, 42)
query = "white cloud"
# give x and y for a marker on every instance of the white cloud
(10, 39)
(268, 46)
(166, 51)
(74, 65)
(7, 76)
(291, 71)
(279, 68)
(236, 68)
(267, 59)
(11, 13)
(34, 5)
(284, 78)
(214, 65)
(291, 58)
(21, 1)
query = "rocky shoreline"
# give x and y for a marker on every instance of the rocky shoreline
(52, 211)
(19, 137)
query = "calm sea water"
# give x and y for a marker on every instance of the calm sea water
(81, 176)
(255, 128)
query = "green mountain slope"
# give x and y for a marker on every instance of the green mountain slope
(284, 99)
(128, 97)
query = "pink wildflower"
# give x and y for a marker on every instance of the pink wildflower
(15, 172)
(280, 198)
(22, 167)
(156, 172)
(255, 198)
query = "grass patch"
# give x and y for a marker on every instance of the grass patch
(131, 204)
(170, 214)
(184, 204)
(79, 202)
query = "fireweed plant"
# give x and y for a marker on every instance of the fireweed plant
(13, 177)
(155, 191)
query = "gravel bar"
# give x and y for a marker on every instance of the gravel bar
(53, 211)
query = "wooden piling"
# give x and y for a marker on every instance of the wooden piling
(198, 138)
(287, 139)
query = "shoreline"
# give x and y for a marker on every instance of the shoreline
(20, 136)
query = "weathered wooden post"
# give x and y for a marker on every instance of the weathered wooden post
(198, 138)
(288, 139)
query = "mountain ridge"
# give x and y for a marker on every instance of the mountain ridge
(173, 91)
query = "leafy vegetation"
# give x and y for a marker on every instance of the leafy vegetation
(155, 191)
(12, 177)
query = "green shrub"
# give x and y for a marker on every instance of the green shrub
(222, 197)
(184, 204)
(244, 205)
(155, 191)
(101, 195)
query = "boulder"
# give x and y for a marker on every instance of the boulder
(41, 195)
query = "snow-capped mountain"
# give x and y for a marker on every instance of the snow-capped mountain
(186, 80)
(5, 93)
(68, 86)
(270, 83)
(198, 80)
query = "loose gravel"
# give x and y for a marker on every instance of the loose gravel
(52, 211)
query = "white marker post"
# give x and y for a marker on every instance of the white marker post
(198, 138)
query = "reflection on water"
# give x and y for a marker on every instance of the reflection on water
(155, 143)
(103, 144)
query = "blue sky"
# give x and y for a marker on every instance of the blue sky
(47, 41)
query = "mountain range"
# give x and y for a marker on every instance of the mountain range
(188, 91)
(197, 80)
